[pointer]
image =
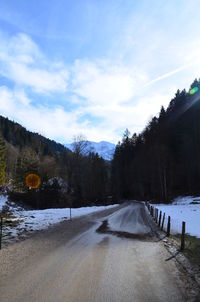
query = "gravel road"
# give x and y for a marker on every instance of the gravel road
(105, 257)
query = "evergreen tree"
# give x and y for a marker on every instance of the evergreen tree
(163, 161)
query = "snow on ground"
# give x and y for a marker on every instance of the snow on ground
(22, 222)
(3, 200)
(128, 220)
(186, 209)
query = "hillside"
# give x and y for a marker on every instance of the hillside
(66, 178)
(18, 136)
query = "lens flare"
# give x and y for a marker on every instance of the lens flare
(193, 90)
(32, 181)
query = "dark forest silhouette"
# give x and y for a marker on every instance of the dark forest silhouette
(164, 160)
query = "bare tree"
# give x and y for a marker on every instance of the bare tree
(80, 145)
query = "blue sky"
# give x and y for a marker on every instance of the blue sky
(94, 67)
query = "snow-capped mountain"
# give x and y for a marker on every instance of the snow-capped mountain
(104, 149)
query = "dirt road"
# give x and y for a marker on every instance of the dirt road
(87, 261)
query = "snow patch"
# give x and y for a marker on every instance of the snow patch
(128, 220)
(3, 200)
(186, 209)
(26, 221)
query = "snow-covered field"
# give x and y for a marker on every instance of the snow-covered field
(24, 221)
(183, 209)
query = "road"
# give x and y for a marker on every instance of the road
(105, 257)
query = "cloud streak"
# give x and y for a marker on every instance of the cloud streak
(169, 74)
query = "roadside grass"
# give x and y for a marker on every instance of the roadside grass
(192, 247)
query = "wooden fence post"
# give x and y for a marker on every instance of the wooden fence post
(168, 226)
(156, 215)
(1, 228)
(160, 218)
(163, 221)
(183, 236)
(70, 213)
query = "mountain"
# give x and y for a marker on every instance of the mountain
(103, 148)
(20, 137)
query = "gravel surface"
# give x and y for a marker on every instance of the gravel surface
(91, 259)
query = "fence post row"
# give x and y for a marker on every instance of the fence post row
(154, 212)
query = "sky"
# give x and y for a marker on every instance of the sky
(94, 67)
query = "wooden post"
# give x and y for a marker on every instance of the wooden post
(168, 226)
(156, 216)
(183, 236)
(163, 221)
(160, 218)
(70, 213)
(1, 229)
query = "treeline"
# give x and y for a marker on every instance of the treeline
(67, 178)
(164, 160)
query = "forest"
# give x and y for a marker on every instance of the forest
(163, 161)
(160, 163)
(66, 178)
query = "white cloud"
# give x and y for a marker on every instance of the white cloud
(104, 83)
(22, 62)
(116, 118)
(54, 123)
(121, 90)
(116, 95)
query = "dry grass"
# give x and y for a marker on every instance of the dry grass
(192, 247)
